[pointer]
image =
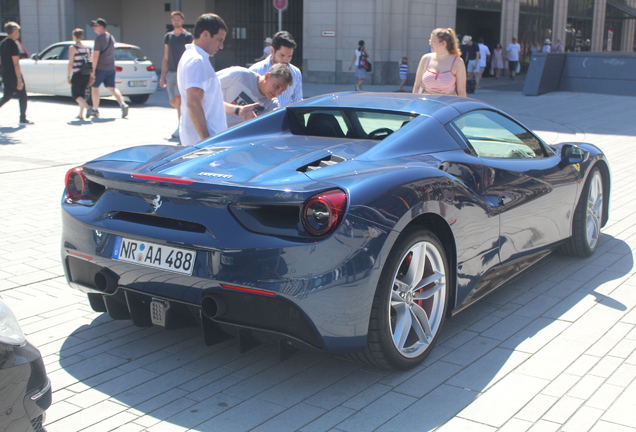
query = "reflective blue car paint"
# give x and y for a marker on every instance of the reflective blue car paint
(419, 173)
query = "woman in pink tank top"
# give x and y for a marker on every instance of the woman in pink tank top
(441, 71)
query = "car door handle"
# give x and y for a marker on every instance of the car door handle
(504, 200)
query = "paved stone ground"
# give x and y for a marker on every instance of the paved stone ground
(553, 351)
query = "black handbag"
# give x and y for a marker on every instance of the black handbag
(86, 68)
(368, 67)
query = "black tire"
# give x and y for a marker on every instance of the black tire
(139, 99)
(588, 218)
(396, 301)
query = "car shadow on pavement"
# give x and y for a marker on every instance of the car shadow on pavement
(171, 376)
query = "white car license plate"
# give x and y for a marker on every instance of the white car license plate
(137, 83)
(154, 255)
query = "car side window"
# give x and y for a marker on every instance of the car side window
(493, 135)
(59, 52)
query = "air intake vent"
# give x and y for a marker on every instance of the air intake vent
(203, 152)
(159, 222)
(322, 163)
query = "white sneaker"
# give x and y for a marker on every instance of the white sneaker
(175, 134)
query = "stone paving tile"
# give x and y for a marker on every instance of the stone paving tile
(515, 425)
(328, 420)
(563, 409)
(243, 417)
(488, 370)
(460, 424)
(436, 408)
(536, 408)
(622, 411)
(301, 386)
(569, 324)
(428, 379)
(501, 401)
(377, 413)
(582, 420)
(292, 419)
(343, 389)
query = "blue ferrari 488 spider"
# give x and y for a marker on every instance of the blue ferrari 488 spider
(352, 223)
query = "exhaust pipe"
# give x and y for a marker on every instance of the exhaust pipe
(106, 281)
(213, 306)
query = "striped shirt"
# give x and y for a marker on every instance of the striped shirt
(82, 55)
(294, 92)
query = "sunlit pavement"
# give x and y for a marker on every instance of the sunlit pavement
(553, 351)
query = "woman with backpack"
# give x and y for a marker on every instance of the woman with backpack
(361, 59)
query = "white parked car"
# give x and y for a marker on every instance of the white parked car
(46, 72)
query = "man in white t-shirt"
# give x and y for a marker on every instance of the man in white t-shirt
(202, 108)
(243, 87)
(513, 57)
(484, 58)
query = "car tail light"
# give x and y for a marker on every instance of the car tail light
(322, 213)
(150, 68)
(80, 189)
(75, 182)
(118, 68)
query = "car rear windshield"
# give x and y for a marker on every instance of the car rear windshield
(347, 123)
(129, 53)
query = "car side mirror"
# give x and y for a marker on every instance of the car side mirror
(34, 57)
(573, 154)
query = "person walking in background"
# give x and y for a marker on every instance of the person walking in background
(512, 54)
(557, 47)
(497, 60)
(442, 71)
(472, 56)
(174, 43)
(546, 46)
(12, 80)
(78, 55)
(484, 58)
(360, 57)
(266, 50)
(403, 69)
(282, 51)
(104, 68)
(247, 91)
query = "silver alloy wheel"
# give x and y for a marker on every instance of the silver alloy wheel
(417, 299)
(594, 215)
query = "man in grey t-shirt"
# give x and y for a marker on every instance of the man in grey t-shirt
(241, 86)
(104, 68)
(173, 47)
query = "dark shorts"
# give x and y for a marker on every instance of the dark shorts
(78, 84)
(512, 65)
(104, 76)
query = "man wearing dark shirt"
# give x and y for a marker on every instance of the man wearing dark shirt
(173, 47)
(11, 75)
(470, 54)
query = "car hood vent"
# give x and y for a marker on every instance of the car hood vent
(322, 163)
(203, 152)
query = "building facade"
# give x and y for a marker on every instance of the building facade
(328, 31)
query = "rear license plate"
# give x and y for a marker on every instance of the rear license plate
(137, 83)
(154, 255)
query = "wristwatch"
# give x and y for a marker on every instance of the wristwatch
(236, 110)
